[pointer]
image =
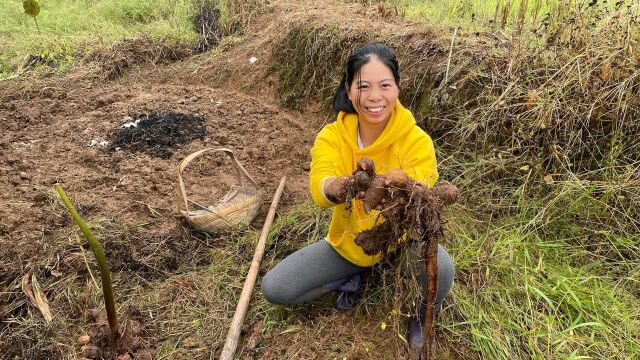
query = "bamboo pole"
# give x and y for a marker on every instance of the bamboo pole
(231, 343)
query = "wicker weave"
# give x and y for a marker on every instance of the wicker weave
(238, 206)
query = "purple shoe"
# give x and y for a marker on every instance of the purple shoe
(334, 285)
(353, 284)
(349, 292)
(416, 325)
(347, 300)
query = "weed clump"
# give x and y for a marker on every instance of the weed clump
(137, 50)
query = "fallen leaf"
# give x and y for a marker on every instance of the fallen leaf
(291, 329)
(548, 179)
(383, 325)
(524, 168)
(605, 72)
(36, 296)
(532, 98)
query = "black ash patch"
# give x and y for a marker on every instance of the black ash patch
(157, 134)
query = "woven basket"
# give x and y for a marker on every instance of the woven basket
(236, 207)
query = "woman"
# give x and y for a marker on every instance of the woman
(371, 124)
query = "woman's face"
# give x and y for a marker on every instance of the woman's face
(378, 93)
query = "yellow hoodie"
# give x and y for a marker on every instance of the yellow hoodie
(335, 153)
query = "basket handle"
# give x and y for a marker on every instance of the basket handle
(241, 173)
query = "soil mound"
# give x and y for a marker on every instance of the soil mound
(99, 344)
(157, 134)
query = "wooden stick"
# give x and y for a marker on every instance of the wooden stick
(231, 343)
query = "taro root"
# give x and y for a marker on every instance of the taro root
(409, 208)
(396, 178)
(375, 194)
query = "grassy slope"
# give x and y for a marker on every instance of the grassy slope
(69, 27)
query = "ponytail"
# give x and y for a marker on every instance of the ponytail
(341, 100)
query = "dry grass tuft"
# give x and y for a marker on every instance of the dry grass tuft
(114, 61)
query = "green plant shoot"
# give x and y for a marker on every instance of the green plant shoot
(109, 302)
(32, 7)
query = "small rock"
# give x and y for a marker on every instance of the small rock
(83, 340)
(253, 60)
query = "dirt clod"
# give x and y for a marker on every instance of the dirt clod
(129, 336)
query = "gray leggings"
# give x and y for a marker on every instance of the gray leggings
(305, 274)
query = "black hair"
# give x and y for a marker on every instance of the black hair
(356, 61)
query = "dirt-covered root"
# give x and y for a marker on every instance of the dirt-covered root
(409, 208)
(413, 213)
(377, 239)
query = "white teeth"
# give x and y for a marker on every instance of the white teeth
(375, 110)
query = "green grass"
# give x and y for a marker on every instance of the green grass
(522, 292)
(563, 288)
(527, 296)
(69, 27)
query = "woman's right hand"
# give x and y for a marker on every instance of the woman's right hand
(335, 189)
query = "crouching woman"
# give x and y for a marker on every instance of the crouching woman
(371, 123)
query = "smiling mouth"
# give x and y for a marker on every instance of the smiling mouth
(375, 110)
